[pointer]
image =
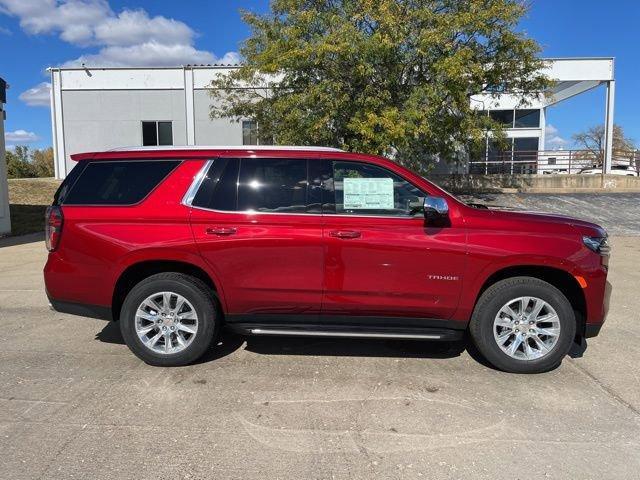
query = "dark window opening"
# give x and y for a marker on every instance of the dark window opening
(363, 189)
(157, 133)
(272, 185)
(527, 119)
(525, 155)
(504, 117)
(117, 183)
(219, 187)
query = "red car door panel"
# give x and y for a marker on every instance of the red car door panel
(382, 259)
(394, 267)
(268, 262)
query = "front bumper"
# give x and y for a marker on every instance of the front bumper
(593, 329)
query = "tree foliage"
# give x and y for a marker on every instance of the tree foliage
(24, 163)
(389, 77)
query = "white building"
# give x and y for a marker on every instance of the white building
(5, 220)
(525, 125)
(103, 108)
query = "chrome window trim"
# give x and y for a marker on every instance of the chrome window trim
(187, 200)
(330, 215)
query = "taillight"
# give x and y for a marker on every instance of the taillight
(53, 227)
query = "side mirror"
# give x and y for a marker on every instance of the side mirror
(435, 209)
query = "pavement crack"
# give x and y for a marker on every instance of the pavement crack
(608, 390)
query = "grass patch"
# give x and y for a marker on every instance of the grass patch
(28, 200)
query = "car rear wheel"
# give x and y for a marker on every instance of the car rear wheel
(523, 325)
(169, 319)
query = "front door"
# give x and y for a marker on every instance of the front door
(251, 223)
(382, 260)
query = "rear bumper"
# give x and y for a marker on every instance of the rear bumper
(81, 309)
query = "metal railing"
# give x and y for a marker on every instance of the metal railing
(553, 162)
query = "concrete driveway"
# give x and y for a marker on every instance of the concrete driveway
(76, 404)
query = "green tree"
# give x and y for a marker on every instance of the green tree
(19, 163)
(389, 77)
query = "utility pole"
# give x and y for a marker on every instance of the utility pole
(5, 220)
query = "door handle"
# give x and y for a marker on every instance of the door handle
(345, 234)
(221, 231)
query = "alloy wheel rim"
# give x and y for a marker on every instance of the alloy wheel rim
(526, 328)
(166, 323)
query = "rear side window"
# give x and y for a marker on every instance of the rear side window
(255, 184)
(272, 185)
(117, 183)
(219, 186)
(68, 182)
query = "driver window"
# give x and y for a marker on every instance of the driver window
(364, 189)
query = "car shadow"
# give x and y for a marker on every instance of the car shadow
(229, 342)
(21, 239)
(110, 334)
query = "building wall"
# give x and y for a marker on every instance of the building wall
(105, 119)
(218, 131)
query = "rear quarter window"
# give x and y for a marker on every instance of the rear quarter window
(119, 182)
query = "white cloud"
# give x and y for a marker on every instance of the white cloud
(20, 136)
(150, 54)
(5, 31)
(230, 58)
(37, 96)
(128, 38)
(132, 27)
(553, 140)
(74, 20)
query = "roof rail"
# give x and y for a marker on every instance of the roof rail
(225, 147)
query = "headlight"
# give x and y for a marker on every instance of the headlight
(597, 244)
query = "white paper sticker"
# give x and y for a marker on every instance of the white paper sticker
(368, 194)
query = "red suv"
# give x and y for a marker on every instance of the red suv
(175, 243)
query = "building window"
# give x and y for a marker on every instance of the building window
(157, 133)
(249, 132)
(504, 117)
(527, 119)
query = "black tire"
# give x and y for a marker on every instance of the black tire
(490, 303)
(204, 302)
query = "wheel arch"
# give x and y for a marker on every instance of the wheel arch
(559, 278)
(138, 271)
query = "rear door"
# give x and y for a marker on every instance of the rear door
(252, 222)
(382, 259)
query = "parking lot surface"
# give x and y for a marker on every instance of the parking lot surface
(75, 403)
(619, 213)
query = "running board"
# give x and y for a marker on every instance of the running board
(346, 332)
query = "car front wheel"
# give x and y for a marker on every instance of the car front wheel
(169, 319)
(523, 325)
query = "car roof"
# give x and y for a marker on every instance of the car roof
(200, 151)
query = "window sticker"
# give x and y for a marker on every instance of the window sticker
(368, 194)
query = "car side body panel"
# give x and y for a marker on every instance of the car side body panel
(319, 273)
(101, 242)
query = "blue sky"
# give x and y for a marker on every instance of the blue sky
(35, 34)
